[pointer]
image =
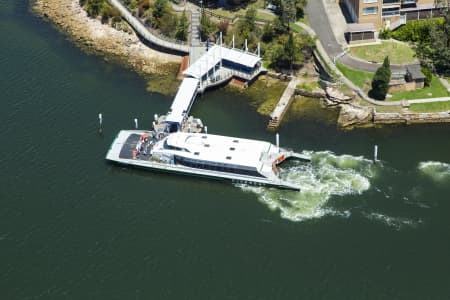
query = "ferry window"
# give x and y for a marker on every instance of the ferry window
(228, 157)
(206, 145)
(235, 141)
(196, 153)
(204, 137)
(232, 148)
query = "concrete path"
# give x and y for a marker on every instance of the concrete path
(445, 83)
(362, 65)
(145, 32)
(277, 115)
(195, 28)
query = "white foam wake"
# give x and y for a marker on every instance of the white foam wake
(437, 171)
(395, 222)
(326, 175)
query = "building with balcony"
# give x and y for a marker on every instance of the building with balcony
(367, 17)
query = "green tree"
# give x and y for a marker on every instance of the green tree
(207, 27)
(428, 76)
(288, 12)
(268, 33)
(380, 82)
(182, 28)
(159, 8)
(292, 52)
(300, 8)
(286, 52)
(250, 19)
(168, 24)
(93, 7)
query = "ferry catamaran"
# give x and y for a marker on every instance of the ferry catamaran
(200, 154)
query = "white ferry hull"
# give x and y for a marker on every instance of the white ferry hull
(116, 147)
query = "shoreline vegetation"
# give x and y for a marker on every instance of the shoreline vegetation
(120, 44)
(116, 45)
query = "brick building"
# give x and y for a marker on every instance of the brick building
(367, 17)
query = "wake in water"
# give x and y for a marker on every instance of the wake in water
(395, 222)
(326, 175)
(437, 171)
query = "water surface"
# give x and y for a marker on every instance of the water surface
(75, 227)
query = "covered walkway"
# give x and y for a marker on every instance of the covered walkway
(183, 101)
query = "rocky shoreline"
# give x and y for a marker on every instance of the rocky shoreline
(92, 35)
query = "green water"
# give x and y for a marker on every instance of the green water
(74, 227)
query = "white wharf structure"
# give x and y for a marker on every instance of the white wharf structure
(215, 67)
(206, 155)
(176, 143)
(220, 64)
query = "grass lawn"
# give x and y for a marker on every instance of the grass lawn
(260, 15)
(360, 78)
(430, 107)
(398, 53)
(241, 13)
(308, 86)
(304, 20)
(436, 89)
(296, 28)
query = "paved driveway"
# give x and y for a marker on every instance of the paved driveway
(318, 20)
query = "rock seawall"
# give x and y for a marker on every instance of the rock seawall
(411, 118)
(103, 39)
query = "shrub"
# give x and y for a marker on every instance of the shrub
(415, 31)
(428, 76)
(168, 24)
(385, 34)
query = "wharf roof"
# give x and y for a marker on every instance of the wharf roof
(213, 57)
(182, 101)
(221, 149)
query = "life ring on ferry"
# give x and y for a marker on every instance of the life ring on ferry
(280, 159)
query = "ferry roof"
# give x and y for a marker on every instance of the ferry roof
(221, 149)
(211, 58)
(182, 102)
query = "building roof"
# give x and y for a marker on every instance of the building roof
(415, 72)
(211, 58)
(365, 27)
(221, 149)
(183, 100)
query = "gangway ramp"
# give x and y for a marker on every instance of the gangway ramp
(183, 101)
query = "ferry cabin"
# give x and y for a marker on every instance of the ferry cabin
(217, 153)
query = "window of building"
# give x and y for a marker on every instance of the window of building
(370, 1)
(370, 10)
